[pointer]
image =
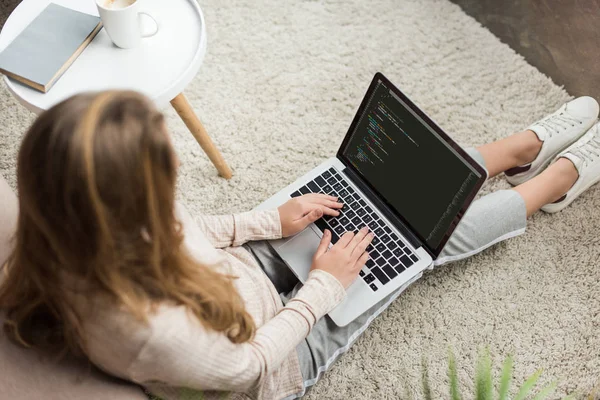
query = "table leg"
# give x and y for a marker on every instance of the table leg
(189, 117)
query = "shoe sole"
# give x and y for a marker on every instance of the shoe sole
(554, 208)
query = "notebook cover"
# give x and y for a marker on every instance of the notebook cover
(48, 46)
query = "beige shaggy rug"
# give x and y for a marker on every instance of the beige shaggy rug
(278, 89)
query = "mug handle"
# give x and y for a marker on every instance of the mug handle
(145, 35)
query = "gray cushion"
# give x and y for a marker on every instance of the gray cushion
(25, 375)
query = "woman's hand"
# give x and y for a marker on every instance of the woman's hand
(346, 258)
(299, 212)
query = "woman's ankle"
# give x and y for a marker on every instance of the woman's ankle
(528, 146)
(564, 174)
(549, 186)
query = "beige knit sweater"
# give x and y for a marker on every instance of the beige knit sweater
(175, 355)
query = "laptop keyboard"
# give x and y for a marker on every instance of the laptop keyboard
(389, 255)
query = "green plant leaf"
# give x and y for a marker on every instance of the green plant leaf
(545, 392)
(192, 394)
(528, 385)
(505, 378)
(151, 396)
(483, 377)
(453, 376)
(425, 380)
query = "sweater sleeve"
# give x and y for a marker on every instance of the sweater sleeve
(181, 352)
(234, 230)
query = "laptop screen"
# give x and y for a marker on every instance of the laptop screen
(412, 167)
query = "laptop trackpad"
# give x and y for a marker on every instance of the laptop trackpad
(298, 252)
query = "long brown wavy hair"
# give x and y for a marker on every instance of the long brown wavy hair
(96, 184)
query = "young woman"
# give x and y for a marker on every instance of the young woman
(106, 265)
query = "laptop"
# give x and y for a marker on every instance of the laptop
(398, 173)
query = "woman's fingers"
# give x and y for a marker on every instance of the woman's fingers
(345, 239)
(309, 218)
(324, 245)
(330, 204)
(323, 199)
(360, 235)
(309, 207)
(330, 211)
(364, 243)
(362, 260)
(319, 196)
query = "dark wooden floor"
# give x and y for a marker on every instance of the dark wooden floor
(559, 37)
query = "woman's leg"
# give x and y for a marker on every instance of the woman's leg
(520, 149)
(512, 151)
(549, 186)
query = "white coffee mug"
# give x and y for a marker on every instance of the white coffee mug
(122, 21)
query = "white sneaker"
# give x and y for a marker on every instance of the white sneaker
(585, 155)
(557, 131)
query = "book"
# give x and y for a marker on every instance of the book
(48, 46)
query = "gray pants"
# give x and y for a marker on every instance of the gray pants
(490, 219)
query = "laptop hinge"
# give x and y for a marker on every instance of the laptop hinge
(385, 210)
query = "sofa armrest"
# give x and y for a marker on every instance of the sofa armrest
(26, 375)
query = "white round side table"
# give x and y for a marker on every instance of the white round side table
(160, 68)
